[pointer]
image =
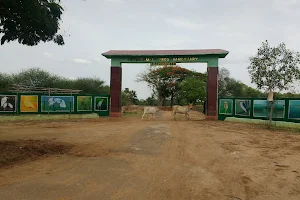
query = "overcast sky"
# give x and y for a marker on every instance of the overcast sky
(92, 27)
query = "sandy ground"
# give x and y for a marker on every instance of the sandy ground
(154, 159)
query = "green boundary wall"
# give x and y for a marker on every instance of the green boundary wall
(43, 108)
(285, 109)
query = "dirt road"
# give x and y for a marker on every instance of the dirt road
(132, 159)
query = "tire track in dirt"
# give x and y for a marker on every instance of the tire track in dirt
(177, 154)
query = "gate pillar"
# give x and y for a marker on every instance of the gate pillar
(115, 91)
(212, 93)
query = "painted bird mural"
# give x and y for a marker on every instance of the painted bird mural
(245, 105)
(99, 105)
(29, 104)
(61, 102)
(226, 107)
(5, 103)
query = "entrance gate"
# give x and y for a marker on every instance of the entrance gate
(165, 57)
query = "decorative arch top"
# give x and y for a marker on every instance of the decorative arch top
(166, 57)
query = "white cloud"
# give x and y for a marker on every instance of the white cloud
(97, 60)
(116, 1)
(47, 54)
(183, 23)
(171, 5)
(81, 61)
(154, 17)
(172, 42)
(131, 16)
(288, 7)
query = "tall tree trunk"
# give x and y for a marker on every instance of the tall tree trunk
(160, 101)
(172, 98)
(271, 100)
(271, 112)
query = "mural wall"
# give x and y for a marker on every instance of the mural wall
(8, 103)
(294, 109)
(242, 107)
(262, 108)
(29, 103)
(101, 103)
(283, 110)
(57, 104)
(84, 103)
(225, 106)
(32, 103)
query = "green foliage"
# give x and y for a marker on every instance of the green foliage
(129, 97)
(155, 83)
(151, 101)
(5, 81)
(91, 85)
(37, 77)
(165, 81)
(192, 90)
(224, 76)
(274, 68)
(30, 21)
(229, 87)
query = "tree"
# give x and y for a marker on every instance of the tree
(230, 87)
(224, 76)
(92, 85)
(5, 81)
(274, 68)
(155, 83)
(35, 77)
(165, 80)
(30, 21)
(192, 90)
(151, 101)
(129, 97)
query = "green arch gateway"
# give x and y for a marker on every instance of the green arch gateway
(165, 57)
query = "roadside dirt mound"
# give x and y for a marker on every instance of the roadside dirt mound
(12, 152)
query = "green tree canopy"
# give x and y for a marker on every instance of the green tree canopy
(30, 21)
(165, 80)
(129, 97)
(192, 90)
(230, 87)
(37, 77)
(5, 81)
(274, 68)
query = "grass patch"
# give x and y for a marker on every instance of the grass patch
(276, 125)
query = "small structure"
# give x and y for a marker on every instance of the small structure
(19, 88)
